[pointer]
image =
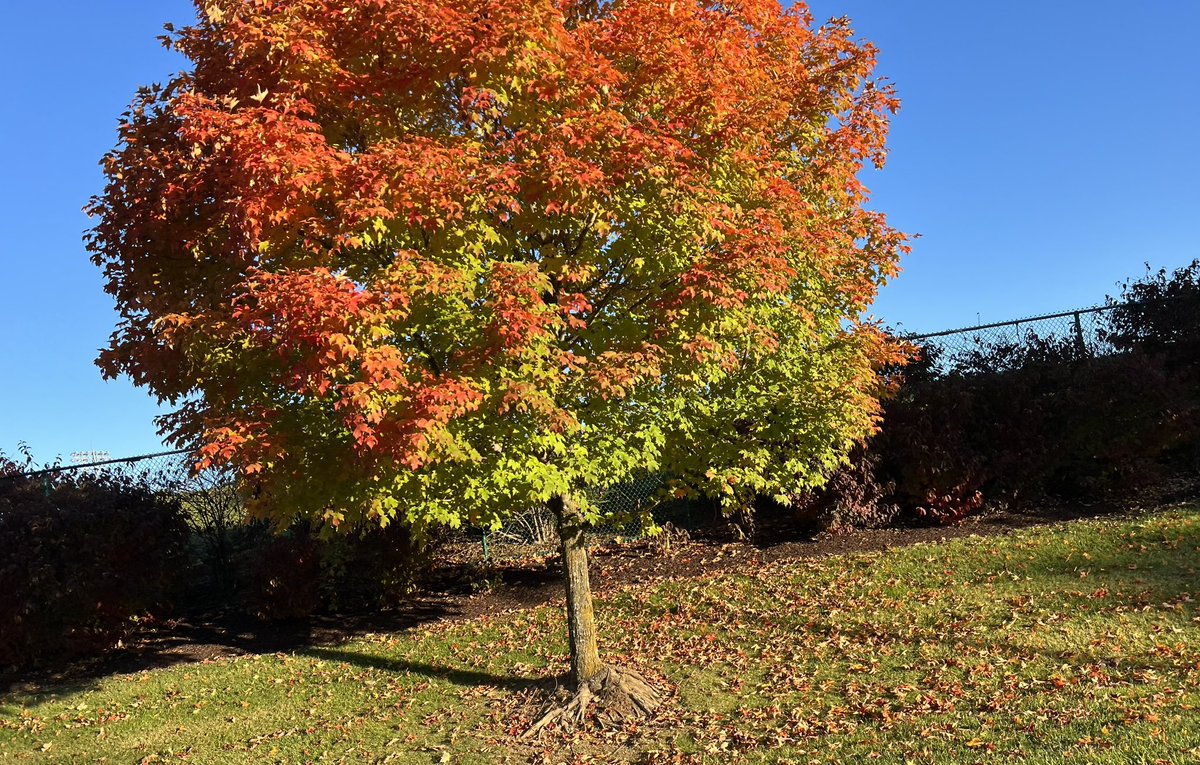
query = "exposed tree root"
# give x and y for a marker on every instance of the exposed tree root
(617, 695)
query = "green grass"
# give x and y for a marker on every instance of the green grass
(1072, 643)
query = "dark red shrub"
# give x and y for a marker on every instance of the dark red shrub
(1028, 418)
(854, 497)
(285, 577)
(83, 558)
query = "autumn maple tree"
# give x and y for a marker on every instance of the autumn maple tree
(434, 261)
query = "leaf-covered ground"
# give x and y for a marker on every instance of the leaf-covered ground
(1068, 643)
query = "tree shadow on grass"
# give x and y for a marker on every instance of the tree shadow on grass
(209, 637)
(469, 678)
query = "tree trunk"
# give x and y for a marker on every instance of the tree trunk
(581, 621)
(616, 694)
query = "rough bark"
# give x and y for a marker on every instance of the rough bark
(581, 620)
(613, 696)
(609, 694)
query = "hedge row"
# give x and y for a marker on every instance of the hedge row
(81, 561)
(1020, 421)
(87, 559)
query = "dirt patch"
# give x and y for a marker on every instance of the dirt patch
(511, 586)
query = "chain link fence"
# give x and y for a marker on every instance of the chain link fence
(213, 506)
(984, 348)
(213, 503)
(164, 472)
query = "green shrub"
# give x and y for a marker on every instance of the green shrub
(300, 572)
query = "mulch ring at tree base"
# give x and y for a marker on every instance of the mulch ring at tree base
(520, 585)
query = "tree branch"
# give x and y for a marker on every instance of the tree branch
(422, 344)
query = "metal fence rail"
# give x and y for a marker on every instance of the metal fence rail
(1075, 316)
(120, 465)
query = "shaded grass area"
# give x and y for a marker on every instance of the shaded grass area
(1069, 643)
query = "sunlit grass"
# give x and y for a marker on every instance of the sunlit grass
(1072, 643)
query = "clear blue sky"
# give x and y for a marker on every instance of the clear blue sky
(1044, 152)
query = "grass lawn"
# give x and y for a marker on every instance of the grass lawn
(1071, 643)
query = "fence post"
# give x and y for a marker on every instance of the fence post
(1080, 344)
